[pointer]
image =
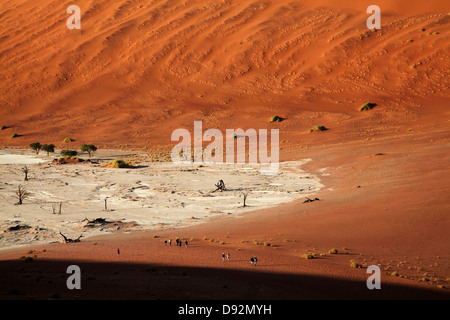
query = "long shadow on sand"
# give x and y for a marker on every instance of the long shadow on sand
(46, 279)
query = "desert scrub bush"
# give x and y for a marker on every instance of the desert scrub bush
(318, 128)
(68, 139)
(333, 251)
(355, 264)
(119, 164)
(3, 127)
(267, 244)
(308, 256)
(395, 274)
(14, 135)
(367, 106)
(275, 119)
(69, 153)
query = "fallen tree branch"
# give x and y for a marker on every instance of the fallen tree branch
(310, 200)
(68, 240)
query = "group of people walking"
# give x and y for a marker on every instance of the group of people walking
(223, 256)
(178, 242)
(253, 260)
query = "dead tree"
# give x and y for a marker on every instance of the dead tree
(54, 208)
(22, 194)
(68, 240)
(96, 222)
(310, 200)
(25, 170)
(220, 186)
(244, 194)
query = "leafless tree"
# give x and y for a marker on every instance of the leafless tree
(25, 170)
(244, 194)
(22, 194)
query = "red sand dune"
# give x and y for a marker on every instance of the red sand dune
(137, 70)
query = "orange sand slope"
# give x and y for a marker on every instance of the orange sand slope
(137, 70)
(135, 65)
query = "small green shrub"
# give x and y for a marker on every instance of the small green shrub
(3, 127)
(333, 251)
(68, 139)
(120, 164)
(355, 264)
(14, 135)
(395, 274)
(267, 244)
(318, 128)
(367, 106)
(308, 256)
(276, 119)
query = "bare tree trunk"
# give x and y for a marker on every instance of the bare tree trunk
(25, 170)
(220, 186)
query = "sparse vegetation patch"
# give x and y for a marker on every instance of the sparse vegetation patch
(276, 119)
(368, 106)
(119, 164)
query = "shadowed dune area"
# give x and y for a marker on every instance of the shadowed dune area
(138, 70)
